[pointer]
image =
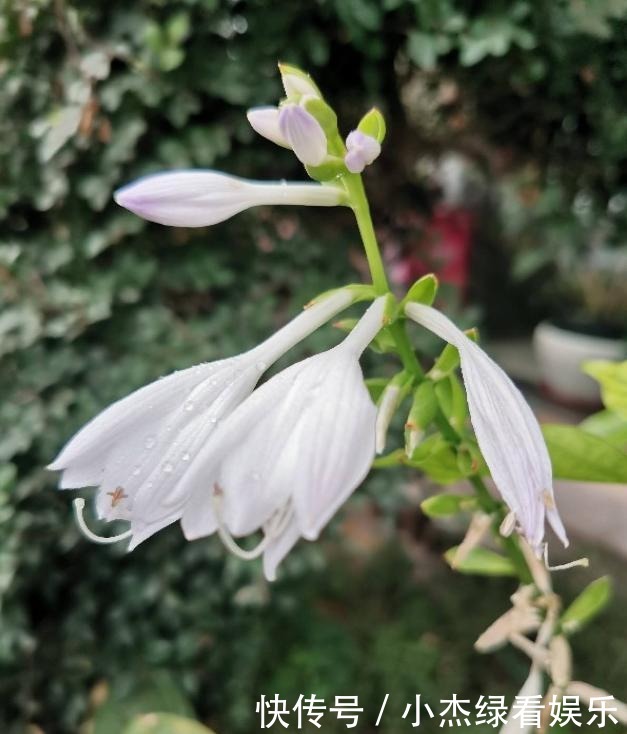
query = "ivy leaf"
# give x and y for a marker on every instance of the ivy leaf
(581, 456)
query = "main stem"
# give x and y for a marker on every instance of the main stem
(359, 202)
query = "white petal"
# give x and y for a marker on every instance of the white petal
(265, 121)
(139, 412)
(507, 431)
(197, 198)
(278, 549)
(304, 134)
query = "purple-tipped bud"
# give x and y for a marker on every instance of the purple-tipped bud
(304, 134)
(362, 151)
(200, 198)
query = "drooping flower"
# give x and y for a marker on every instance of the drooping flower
(362, 151)
(507, 431)
(198, 198)
(303, 133)
(138, 449)
(290, 455)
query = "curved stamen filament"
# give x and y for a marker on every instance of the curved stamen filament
(79, 506)
(580, 562)
(272, 529)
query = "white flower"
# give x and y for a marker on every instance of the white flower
(507, 431)
(291, 454)
(362, 151)
(197, 198)
(265, 121)
(138, 449)
(303, 133)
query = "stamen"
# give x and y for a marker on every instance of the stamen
(79, 506)
(272, 529)
(580, 562)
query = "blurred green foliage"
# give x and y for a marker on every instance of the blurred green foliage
(94, 302)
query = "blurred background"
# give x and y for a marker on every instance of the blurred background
(503, 171)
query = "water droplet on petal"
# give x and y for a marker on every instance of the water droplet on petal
(186, 456)
(150, 442)
(168, 467)
(137, 471)
(261, 366)
(189, 406)
(213, 419)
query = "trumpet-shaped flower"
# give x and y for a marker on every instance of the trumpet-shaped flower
(507, 431)
(138, 450)
(362, 151)
(303, 133)
(290, 455)
(197, 198)
(265, 121)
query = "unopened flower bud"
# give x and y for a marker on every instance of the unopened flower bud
(296, 82)
(362, 151)
(200, 198)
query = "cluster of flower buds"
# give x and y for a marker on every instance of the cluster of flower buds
(208, 448)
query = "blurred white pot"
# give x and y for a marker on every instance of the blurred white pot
(560, 354)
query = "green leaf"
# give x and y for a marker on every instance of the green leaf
(424, 290)
(583, 457)
(448, 361)
(591, 602)
(444, 505)
(438, 459)
(423, 49)
(609, 426)
(165, 724)
(612, 376)
(482, 562)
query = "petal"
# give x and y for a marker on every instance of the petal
(337, 447)
(265, 121)
(278, 549)
(304, 133)
(139, 412)
(355, 161)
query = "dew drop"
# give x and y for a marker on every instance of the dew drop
(150, 442)
(168, 467)
(189, 406)
(186, 456)
(213, 419)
